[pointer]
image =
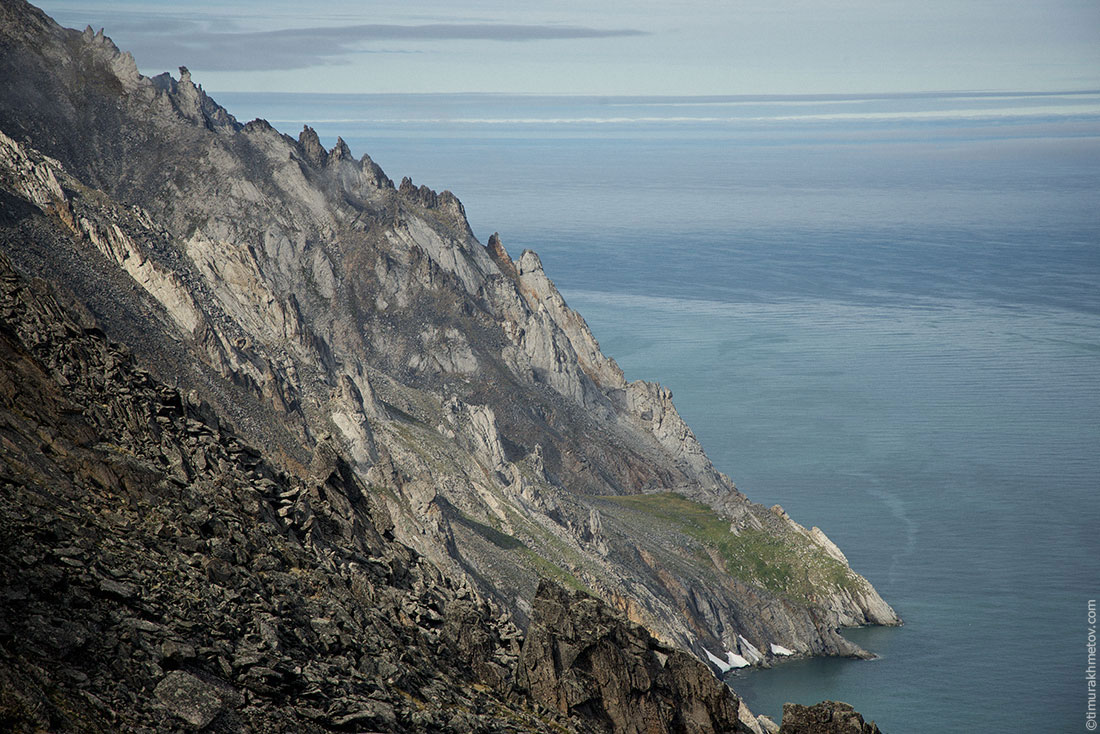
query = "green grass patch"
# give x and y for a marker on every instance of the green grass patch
(553, 571)
(789, 565)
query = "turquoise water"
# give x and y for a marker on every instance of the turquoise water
(882, 313)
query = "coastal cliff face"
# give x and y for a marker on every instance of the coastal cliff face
(159, 574)
(319, 309)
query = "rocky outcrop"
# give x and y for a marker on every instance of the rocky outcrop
(580, 658)
(541, 295)
(310, 302)
(827, 717)
(652, 405)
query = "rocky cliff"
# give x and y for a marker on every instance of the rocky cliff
(580, 658)
(317, 308)
(157, 573)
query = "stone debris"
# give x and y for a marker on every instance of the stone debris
(582, 659)
(237, 598)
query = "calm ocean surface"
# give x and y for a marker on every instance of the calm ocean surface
(882, 313)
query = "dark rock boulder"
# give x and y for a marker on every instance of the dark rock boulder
(189, 698)
(581, 659)
(827, 717)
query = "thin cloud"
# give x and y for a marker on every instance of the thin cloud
(443, 32)
(298, 48)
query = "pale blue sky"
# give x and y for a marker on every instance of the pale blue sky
(617, 47)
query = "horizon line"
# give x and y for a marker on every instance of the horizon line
(801, 96)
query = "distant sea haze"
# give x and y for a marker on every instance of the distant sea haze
(757, 117)
(880, 311)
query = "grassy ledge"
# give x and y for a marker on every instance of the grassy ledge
(789, 564)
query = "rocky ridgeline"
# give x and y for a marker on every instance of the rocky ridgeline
(296, 295)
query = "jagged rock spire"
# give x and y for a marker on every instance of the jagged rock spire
(311, 147)
(340, 151)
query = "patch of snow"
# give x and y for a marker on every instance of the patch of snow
(732, 661)
(780, 650)
(736, 661)
(751, 653)
(719, 662)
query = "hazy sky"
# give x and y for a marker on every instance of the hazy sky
(613, 47)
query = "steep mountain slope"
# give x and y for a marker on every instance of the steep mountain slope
(158, 573)
(311, 302)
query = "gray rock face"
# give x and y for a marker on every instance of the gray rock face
(219, 593)
(827, 717)
(307, 300)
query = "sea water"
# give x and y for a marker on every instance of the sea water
(881, 312)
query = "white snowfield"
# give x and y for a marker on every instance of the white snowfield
(733, 660)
